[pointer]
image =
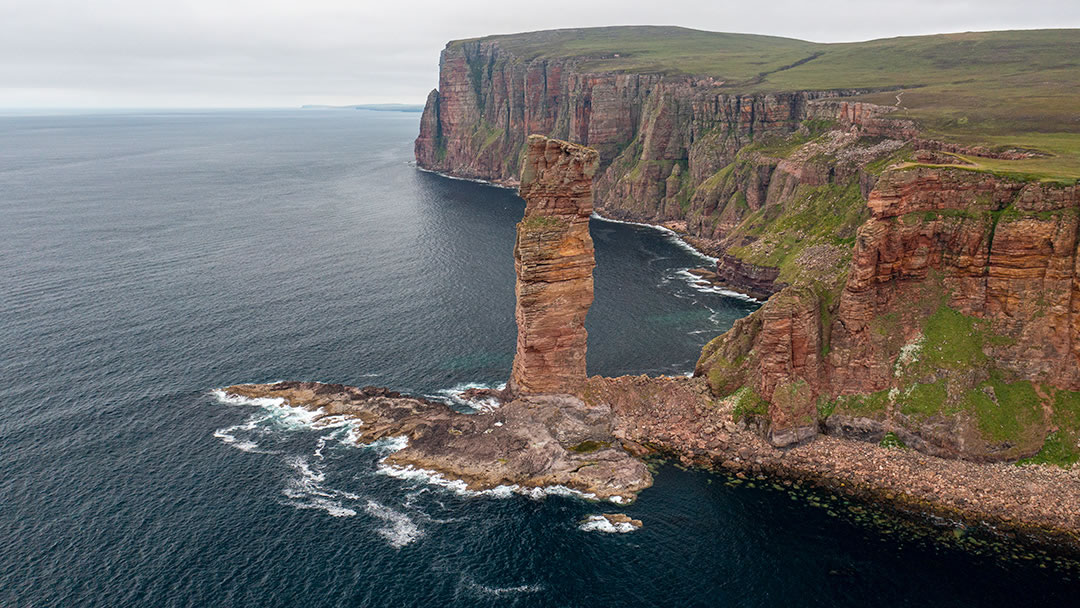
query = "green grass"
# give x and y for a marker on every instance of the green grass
(1014, 408)
(954, 340)
(862, 405)
(541, 222)
(925, 400)
(748, 404)
(1059, 449)
(818, 215)
(890, 440)
(1006, 88)
(662, 50)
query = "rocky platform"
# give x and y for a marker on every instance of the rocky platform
(533, 441)
(543, 433)
(677, 417)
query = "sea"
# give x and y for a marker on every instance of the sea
(148, 258)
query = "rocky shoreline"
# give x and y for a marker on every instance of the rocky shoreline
(529, 442)
(595, 447)
(675, 416)
(554, 426)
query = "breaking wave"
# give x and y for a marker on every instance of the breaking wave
(668, 232)
(453, 397)
(599, 523)
(705, 286)
(400, 530)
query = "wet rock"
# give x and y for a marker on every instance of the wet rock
(528, 441)
(622, 518)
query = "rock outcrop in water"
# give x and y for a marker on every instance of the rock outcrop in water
(554, 260)
(530, 443)
(545, 434)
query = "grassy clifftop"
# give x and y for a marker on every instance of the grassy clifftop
(991, 88)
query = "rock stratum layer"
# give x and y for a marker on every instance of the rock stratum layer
(913, 289)
(956, 328)
(554, 261)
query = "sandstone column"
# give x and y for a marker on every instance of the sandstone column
(554, 260)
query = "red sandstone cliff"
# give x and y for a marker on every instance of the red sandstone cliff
(659, 138)
(776, 185)
(957, 327)
(553, 257)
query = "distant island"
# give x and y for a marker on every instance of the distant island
(378, 107)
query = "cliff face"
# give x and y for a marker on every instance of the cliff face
(956, 329)
(998, 250)
(905, 295)
(658, 137)
(489, 101)
(553, 257)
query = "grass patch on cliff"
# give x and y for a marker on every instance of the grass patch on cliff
(1059, 449)
(861, 405)
(890, 440)
(816, 215)
(1062, 446)
(926, 400)
(1004, 411)
(724, 375)
(749, 405)
(954, 340)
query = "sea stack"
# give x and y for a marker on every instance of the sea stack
(554, 260)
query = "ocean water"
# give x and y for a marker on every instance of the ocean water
(149, 258)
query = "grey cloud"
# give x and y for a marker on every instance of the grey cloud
(284, 53)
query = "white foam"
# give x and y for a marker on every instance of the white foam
(401, 530)
(306, 491)
(411, 473)
(599, 523)
(288, 416)
(253, 401)
(467, 179)
(389, 445)
(226, 436)
(332, 508)
(705, 286)
(418, 475)
(309, 479)
(501, 591)
(671, 234)
(452, 396)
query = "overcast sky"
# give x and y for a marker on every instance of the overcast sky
(282, 53)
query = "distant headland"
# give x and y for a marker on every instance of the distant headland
(378, 107)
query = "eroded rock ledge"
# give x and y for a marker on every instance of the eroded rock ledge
(679, 417)
(530, 442)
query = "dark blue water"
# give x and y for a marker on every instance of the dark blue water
(146, 259)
